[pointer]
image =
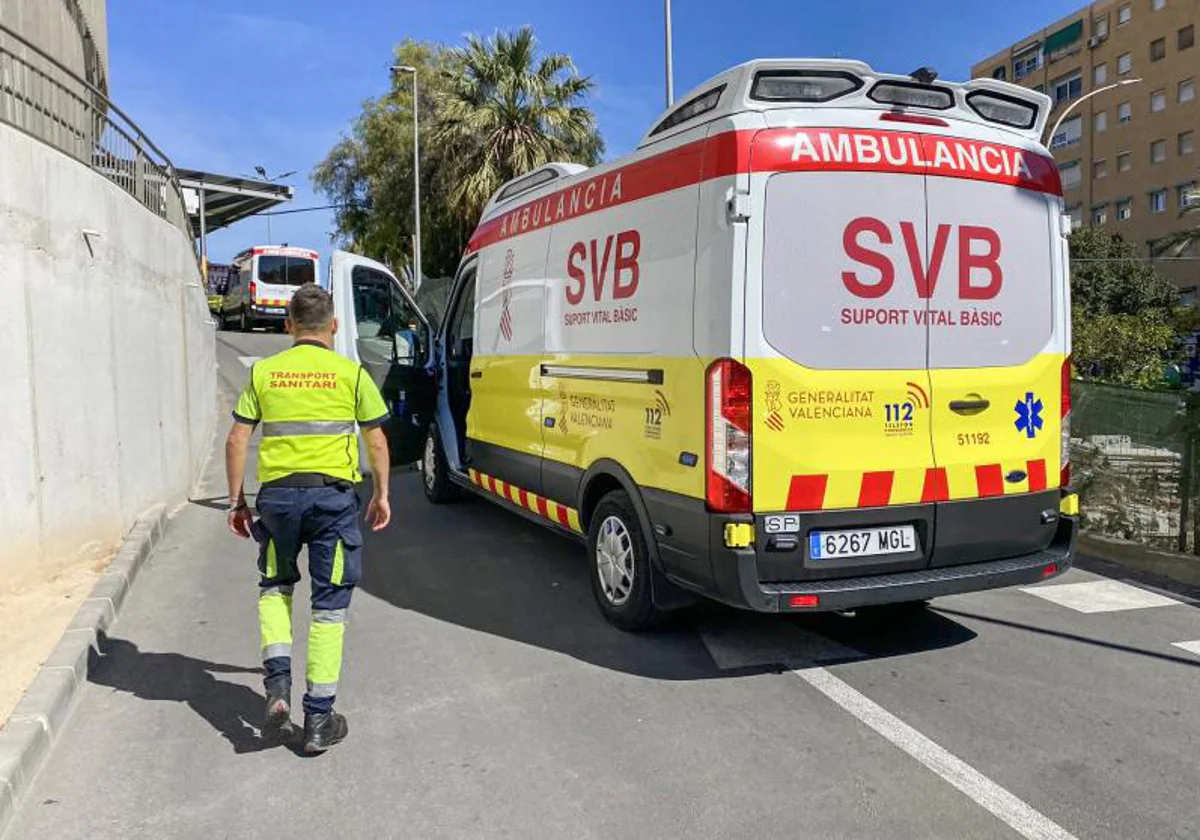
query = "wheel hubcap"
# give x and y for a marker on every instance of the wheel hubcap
(614, 561)
(430, 463)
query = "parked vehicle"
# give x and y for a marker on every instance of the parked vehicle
(805, 349)
(217, 281)
(261, 283)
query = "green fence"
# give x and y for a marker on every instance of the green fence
(1133, 461)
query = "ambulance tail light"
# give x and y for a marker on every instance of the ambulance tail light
(803, 85)
(1064, 454)
(728, 418)
(253, 292)
(912, 95)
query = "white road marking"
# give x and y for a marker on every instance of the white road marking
(249, 360)
(1190, 647)
(1021, 817)
(752, 641)
(1099, 596)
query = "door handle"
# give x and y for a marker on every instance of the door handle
(969, 406)
(477, 374)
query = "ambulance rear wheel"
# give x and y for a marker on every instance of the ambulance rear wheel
(620, 565)
(435, 474)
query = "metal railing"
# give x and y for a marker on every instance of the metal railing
(44, 98)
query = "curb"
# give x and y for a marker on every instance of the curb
(39, 717)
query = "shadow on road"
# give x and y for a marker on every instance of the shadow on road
(233, 710)
(478, 566)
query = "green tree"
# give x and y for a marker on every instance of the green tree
(369, 173)
(504, 111)
(1126, 318)
(490, 110)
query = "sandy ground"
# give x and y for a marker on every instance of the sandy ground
(33, 619)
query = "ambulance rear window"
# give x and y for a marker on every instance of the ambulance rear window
(1005, 110)
(803, 85)
(891, 271)
(702, 104)
(913, 95)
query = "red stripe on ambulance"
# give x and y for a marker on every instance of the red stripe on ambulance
(869, 150)
(777, 150)
(990, 480)
(876, 489)
(807, 492)
(937, 487)
(553, 511)
(1037, 475)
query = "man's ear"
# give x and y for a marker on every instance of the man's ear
(287, 326)
(334, 327)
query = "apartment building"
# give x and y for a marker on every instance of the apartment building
(1127, 155)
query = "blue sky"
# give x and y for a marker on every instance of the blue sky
(225, 85)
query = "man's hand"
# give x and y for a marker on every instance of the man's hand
(236, 446)
(379, 513)
(239, 519)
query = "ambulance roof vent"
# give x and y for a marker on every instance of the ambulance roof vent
(531, 181)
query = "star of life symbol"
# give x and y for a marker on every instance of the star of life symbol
(1029, 415)
(506, 319)
(774, 402)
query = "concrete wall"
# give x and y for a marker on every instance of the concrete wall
(107, 364)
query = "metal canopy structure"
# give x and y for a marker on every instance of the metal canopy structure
(217, 201)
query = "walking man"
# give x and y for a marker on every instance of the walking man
(308, 400)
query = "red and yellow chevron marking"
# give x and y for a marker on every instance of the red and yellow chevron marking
(271, 302)
(554, 512)
(810, 492)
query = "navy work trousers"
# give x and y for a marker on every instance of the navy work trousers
(326, 520)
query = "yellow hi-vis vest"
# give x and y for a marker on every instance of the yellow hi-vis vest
(308, 400)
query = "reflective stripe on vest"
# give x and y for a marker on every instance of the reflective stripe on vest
(297, 428)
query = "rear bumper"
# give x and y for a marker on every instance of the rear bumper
(738, 584)
(262, 313)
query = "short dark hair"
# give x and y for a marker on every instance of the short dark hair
(311, 309)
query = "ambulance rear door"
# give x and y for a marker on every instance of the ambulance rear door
(837, 343)
(997, 344)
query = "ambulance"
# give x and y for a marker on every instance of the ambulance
(805, 349)
(261, 283)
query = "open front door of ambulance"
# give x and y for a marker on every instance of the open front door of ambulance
(381, 327)
(997, 349)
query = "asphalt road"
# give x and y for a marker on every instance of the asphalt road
(487, 698)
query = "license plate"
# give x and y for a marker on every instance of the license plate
(862, 542)
(275, 310)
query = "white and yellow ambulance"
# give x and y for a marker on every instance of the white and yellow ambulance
(261, 283)
(805, 349)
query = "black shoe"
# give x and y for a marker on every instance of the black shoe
(277, 724)
(323, 731)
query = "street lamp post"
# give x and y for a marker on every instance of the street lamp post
(1081, 100)
(400, 68)
(670, 68)
(262, 173)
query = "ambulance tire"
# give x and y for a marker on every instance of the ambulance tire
(615, 519)
(435, 473)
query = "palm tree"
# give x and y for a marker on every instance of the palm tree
(503, 111)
